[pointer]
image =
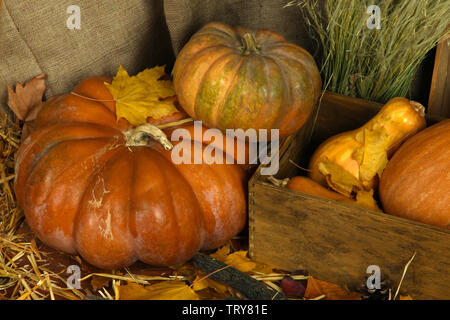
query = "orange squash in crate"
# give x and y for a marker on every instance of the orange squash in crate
(95, 186)
(416, 182)
(352, 161)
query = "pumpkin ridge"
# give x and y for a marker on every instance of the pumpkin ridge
(305, 97)
(229, 89)
(251, 81)
(307, 65)
(218, 26)
(155, 154)
(85, 208)
(131, 210)
(269, 86)
(95, 154)
(48, 130)
(279, 44)
(53, 110)
(33, 146)
(95, 84)
(48, 149)
(185, 74)
(216, 34)
(287, 101)
(208, 117)
(293, 58)
(49, 192)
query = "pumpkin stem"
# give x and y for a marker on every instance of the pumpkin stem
(140, 136)
(418, 107)
(250, 46)
(278, 182)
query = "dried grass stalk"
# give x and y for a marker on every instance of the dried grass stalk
(369, 63)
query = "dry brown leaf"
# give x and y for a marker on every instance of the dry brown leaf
(166, 290)
(317, 288)
(375, 156)
(99, 282)
(25, 101)
(339, 179)
(408, 297)
(263, 268)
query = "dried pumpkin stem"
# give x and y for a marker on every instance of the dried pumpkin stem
(278, 182)
(418, 107)
(140, 135)
(250, 45)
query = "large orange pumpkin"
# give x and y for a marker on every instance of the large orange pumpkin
(416, 182)
(233, 78)
(86, 188)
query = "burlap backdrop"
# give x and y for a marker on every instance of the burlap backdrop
(34, 37)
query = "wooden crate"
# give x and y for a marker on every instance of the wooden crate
(337, 242)
(439, 100)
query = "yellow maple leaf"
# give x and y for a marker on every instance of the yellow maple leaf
(240, 261)
(375, 156)
(204, 282)
(221, 253)
(365, 199)
(166, 290)
(142, 96)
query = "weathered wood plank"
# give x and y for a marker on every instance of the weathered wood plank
(439, 100)
(337, 242)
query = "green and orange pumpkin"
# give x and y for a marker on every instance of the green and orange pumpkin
(237, 78)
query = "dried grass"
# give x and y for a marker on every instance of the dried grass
(368, 63)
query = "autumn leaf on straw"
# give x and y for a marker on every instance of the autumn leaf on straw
(239, 260)
(318, 289)
(25, 99)
(142, 96)
(167, 290)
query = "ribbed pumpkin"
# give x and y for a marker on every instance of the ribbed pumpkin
(416, 182)
(86, 188)
(233, 78)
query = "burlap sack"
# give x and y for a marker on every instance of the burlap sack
(185, 17)
(34, 39)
